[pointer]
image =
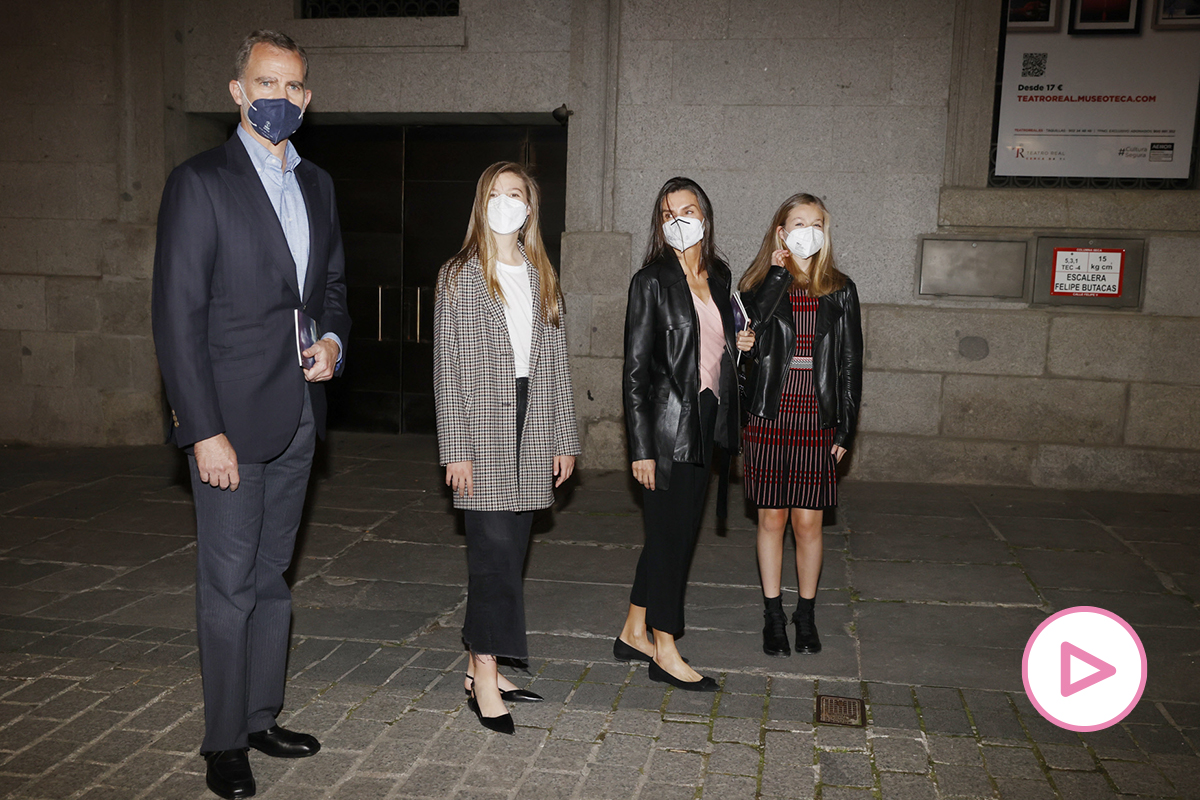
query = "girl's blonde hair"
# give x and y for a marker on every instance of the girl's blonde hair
(824, 278)
(480, 242)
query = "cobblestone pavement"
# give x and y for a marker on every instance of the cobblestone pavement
(928, 596)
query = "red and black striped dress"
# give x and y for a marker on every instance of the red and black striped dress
(787, 460)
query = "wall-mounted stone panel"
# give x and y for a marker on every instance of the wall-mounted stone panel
(22, 303)
(901, 402)
(925, 459)
(928, 340)
(1164, 416)
(47, 359)
(1125, 348)
(1033, 409)
(1121, 469)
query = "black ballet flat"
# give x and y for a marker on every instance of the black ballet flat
(705, 684)
(626, 652)
(501, 724)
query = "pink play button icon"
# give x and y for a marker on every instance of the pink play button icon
(1104, 670)
(1075, 649)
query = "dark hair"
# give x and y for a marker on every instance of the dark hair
(276, 39)
(657, 247)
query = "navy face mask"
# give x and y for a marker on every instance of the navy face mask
(273, 118)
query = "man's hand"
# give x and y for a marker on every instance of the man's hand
(460, 477)
(326, 352)
(217, 462)
(643, 471)
(563, 467)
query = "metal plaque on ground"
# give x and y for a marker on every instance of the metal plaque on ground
(840, 711)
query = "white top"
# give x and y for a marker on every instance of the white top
(518, 312)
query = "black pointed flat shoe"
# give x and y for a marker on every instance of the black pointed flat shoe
(521, 696)
(705, 684)
(512, 695)
(501, 724)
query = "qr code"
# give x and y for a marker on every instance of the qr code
(1033, 65)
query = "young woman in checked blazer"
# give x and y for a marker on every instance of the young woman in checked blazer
(505, 416)
(804, 394)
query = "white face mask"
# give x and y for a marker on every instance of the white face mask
(683, 232)
(804, 242)
(506, 214)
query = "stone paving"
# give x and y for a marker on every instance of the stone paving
(928, 596)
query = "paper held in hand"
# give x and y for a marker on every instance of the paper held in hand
(307, 334)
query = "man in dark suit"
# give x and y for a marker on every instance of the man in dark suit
(248, 235)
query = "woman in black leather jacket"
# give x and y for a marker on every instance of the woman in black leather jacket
(680, 392)
(804, 388)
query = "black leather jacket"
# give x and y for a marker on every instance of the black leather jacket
(662, 367)
(837, 353)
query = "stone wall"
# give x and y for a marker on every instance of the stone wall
(80, 175)
(883, 108)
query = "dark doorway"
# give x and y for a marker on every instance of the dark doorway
(404, 195)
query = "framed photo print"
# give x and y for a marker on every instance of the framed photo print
(1176, 15)
(1031, 16)
(1105, 17)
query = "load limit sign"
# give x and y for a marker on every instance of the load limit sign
(1087, 272)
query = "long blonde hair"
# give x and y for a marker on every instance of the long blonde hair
(824, 278)
(479, 242)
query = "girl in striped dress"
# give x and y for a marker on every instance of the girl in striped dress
(804, 389)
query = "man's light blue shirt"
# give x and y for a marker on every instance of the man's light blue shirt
(283, 190)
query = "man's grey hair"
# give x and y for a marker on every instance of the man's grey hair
(274, 38)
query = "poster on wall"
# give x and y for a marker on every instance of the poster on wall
(1100, 97)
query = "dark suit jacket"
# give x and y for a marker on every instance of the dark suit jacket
(662, 367)
(224, 299)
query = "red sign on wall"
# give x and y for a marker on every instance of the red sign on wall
(1085, 272)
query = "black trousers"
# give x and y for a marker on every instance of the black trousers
(243, 604)
(672, 522)
(496, 545)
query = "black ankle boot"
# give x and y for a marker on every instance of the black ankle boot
(775, 640)
(807, 640)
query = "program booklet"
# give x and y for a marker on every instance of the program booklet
(741, 319)
(307, 334)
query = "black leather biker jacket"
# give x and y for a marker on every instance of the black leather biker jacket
(837, 353)
(662, 367)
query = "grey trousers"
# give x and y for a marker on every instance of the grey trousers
(244, 541)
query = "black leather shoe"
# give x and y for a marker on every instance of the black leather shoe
(775, 639)
(282, 743)
(705, 684)
(501, 724)
(807, 640)
(229, 774)
(626, 652)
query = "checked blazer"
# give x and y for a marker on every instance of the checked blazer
(475, 392)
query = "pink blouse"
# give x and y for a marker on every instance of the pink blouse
(712, 343)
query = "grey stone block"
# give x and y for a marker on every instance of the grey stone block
(901, 402)
(1011, 762)
(102, 362)
(896, 754)
(962, 780)
(886, 457)
(1120, 469)
(734, 759)
(597, 385)
(596, 263)
(681, 769)
(954, 750)
(1081, 785)
(907, 787)
(1033, 409)
(1167, 260)
(1163, 416)
(1073, 351)
(1024, 789)
(846, 769)
(47, 359)
(946, 582)
(928, 340)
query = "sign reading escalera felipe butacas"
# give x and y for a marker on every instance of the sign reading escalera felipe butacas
(1087, 272)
